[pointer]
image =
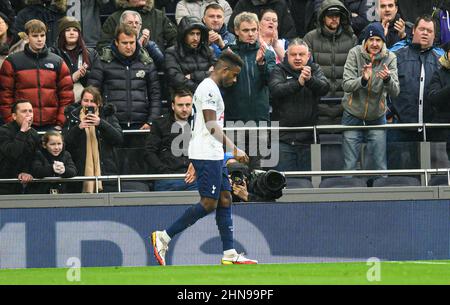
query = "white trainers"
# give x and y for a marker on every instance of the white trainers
(160, 246)
(237, 259)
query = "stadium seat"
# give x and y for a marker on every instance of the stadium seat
(395, 181)
(299, 183)
(438, 180)
(342, 182)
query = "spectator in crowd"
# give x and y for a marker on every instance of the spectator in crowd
(219, 38)
(248, 99)
(88, 13)
(416, 63)
(163, 31)
(18, 145)
(439, 94)
(8, 38)
(197, 8)
(296, 86)
(268, 34)
(38, 75)
(171, 132)
(370, 74)
(92, 134)
(127, 78)
(329, 45)
(441, 18)
(47, 11)
(302, 13)
(72, 48)
(52, 161)
(394, 26)
(286, 27)
(357, 13)
(190, 60)
(133, 19)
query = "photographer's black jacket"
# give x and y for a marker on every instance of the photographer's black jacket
(158, 147)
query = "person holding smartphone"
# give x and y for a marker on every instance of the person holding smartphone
(92, 134)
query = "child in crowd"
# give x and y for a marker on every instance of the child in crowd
(52, 161)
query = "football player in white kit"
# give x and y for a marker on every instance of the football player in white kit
(206, 154)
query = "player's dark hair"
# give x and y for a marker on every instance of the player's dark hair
(229, 59)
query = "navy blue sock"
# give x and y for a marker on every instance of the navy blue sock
(225, 224)
(190, 216)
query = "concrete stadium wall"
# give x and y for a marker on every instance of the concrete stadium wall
(105, 234)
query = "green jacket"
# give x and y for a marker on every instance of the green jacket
(248, 99)
(368, 102)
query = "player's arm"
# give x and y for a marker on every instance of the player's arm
(216, 131)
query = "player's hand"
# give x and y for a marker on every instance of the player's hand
(240, 155)
(190, 175)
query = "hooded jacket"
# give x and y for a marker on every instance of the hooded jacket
(286, 27)
(197, 8)
(330, 51)
(182, 60)
(162, 30)
(294, 105)
(130, 83)
(47, 13)
(368, 102)
(42, 78)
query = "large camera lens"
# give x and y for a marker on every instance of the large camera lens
(274, 180)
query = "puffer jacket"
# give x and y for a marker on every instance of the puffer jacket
(330, 51)
(17, 150)
(49, 13)
(286, 27)
(182, 60)
(42, 78)
(294, 105)
(197, 8)
(131, 84)
(248, 99)
(409, 62)
(162, 30)
(368, 102)
(109, 136)
(159, 156)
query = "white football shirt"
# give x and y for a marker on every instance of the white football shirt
(203, 146)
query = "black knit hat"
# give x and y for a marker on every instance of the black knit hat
(67, 22)
(5, 18)
(374, 29)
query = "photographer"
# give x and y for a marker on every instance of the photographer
(255, 186)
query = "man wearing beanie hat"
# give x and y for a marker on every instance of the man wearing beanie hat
(417, 61)
(370, 74)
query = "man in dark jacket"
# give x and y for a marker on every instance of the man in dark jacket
(416, 63)
(127, 78)
(296, 86)
(395, 27)
(18, 145)
(329, 45)
(38, 75)
(190, 60)
(163, 155)
(286, 27)
(163, 31)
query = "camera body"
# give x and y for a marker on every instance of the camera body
(266, 185)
